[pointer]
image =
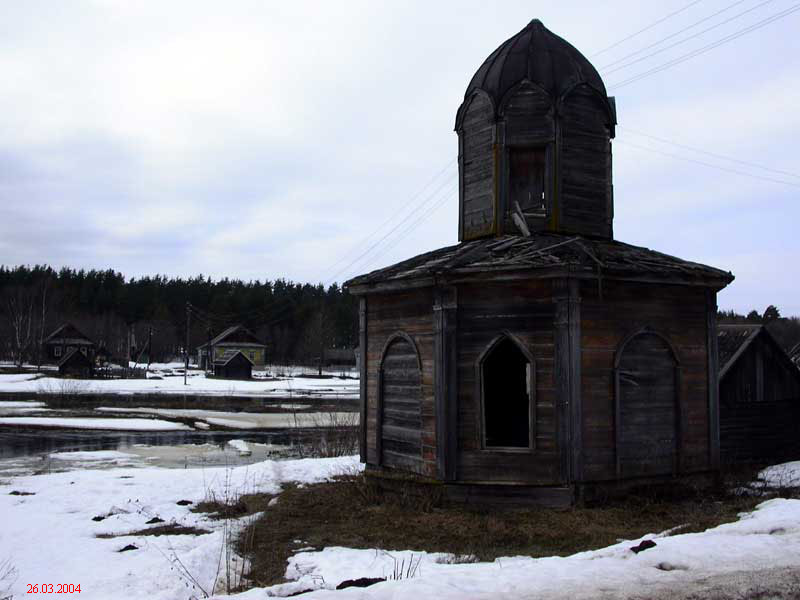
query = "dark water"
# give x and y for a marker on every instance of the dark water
(31, 442)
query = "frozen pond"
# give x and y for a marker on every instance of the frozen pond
(37, 451)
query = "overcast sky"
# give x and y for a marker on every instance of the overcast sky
(276, 139)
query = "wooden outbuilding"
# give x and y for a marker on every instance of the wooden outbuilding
(76, 364)
(236, 337)
(65, 339)
(794, 354)
(233, 364)
(759, 392)
(538, 359)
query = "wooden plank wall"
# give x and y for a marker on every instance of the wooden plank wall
(477, 166)
(485, 311)
(678, 313)
(765, 432)
(412, 313)
(760, 406)
(585, 198)
(400, 410)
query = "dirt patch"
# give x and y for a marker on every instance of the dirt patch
(351, 512)
(171, 529)
(242, 506)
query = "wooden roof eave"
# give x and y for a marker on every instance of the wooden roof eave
(515, 273)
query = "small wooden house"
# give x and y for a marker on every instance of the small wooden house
(538, 359)
(233, 364)
(759, 391)
(236, 337)
(76, 363)
(65, 339)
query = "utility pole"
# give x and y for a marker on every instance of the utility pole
(149, 348)
(186, 350)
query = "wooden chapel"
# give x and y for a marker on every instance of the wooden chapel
(538, 359)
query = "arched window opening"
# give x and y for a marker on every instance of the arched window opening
(527, 182)
(507, 376)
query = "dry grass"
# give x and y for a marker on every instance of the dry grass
(171, 529)
(234, 507)
(351, 512)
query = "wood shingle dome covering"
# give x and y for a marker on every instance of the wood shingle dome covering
(536, 55)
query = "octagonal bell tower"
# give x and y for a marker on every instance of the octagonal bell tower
(534, 133)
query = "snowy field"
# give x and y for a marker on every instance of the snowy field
(50, 536)
(197, 384)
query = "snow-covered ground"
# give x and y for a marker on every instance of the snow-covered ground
(91, 423)
(197, 384)
(246, 420)
(50, 536)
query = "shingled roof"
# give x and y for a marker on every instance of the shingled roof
(544, 253)
(733, 339)
(238, 333)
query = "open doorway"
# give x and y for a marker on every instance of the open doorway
(507, 393)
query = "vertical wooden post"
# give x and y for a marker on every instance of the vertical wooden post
(566, 295)
(362, 385)
(446, 382)
(713, 380)
(576, 405)
(188, 325)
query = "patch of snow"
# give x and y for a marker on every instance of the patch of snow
(244, 420)
(63, 507)
(92, 423)
(783, 475)
(20, 404)
(198, 384)
(92, 455)
(241, 446)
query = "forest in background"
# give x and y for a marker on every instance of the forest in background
(295, 320)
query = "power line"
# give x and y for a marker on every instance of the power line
(711, 165)
(653, 24)
(391, 217)
(684, 40)
(398, 225)
(432, 209)
(672, 35)
(712, 154)
(704, 49)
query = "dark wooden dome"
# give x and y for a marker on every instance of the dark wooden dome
(539, 56)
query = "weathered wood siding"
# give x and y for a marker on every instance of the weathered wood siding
(763, 432)
(401, 407)
(647, 433)
(760, 406)
(585, 201)
(676, 312)
(386, 315)
(526, 311)
(477, 169)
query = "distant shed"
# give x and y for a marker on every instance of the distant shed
(76, 364)
(233, 364)
(759, 393)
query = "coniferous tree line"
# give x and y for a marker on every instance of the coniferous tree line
(785, 330)
(295, 320)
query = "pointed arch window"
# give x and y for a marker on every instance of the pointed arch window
(507, 387)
